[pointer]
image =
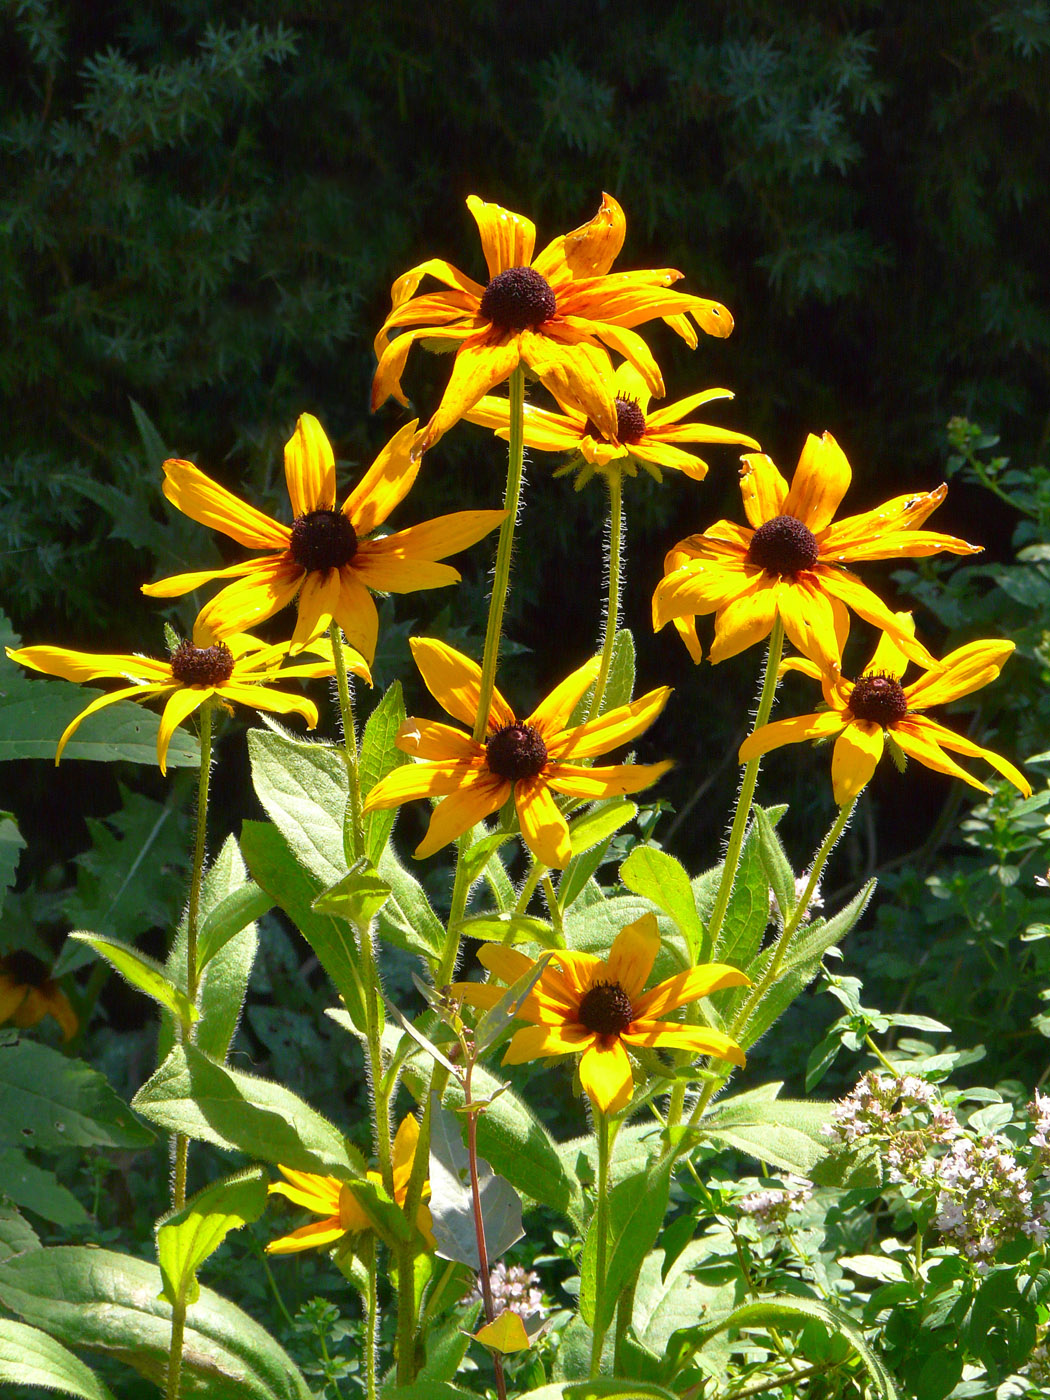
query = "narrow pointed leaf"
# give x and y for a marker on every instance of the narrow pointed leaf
(190, 1236)
(142, 972)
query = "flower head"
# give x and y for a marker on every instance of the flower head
(597, 1008)
(789, 560)
(327, 557)
(862, 713)
(241, 672)
(531, 758)
(28, 993)
(335, 1200)
(555, 312)
(642, 438)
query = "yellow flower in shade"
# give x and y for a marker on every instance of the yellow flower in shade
(242, 672)
(597, 1008)
(324, 557)
(641, 437)
(863, 713)
(790, 560)
(531, 758)
(335, 1200)
(28, 994)
(554, 312)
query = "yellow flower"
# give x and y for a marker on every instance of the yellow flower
(790, 561)
(324, 557)
(336, 1202)
(527, 758)
(240, 672)
(641, 436)
(597, 1006)
(862, 713)
(28, 994)
(554, 312)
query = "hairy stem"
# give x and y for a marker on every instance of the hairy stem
(601, 1229)
(614, 481)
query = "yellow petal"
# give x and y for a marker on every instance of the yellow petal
(632, 955)
(700, 1040)
(478, 367)
(135, 692)
(579, 375)
(270, 586)
(821, 479)
(387, 378)
(615, 780)
(746, 620)
(437, 538)
(508, 964)
(317, 1193)
(405, 286)
(179, 707)
(309, 467)
(552, 714)
(848, 588)
(947, 739)
(859, 536)
(762, 488)
(964, 670)
(356, 614)
(386, 482)
(318, 604)
(675, 412)
(633, 348)
(177, 584)
(424, 738)
(479, 795)
(415, 780)
(205, 501)
(888, 659)
(615, 727)
(919, 738)
(262, 697)
(455, 683)
(605, 1073)
(507, 239)
(663, 454)
(855, 758)
(404, 1154)
(684, 987)
(314, 1236)
(387, 572)
(809, 619)
(542, 1042)
(588, 251)
(82, 666)
(630, 383)
(543, 828)
(790, 731)
(702, 586)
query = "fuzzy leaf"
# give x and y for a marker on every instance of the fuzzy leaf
(303, 788)
(190, 1236)
(29, 1357)
(49, 1100)
(380, 756)
(235, 911)
(357, 897)
(142, 972)
(658, 876)
(406, 919)
(38, 1191)
(637, 1206)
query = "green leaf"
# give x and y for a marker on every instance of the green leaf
(658, 876)
(380, 756)
(428, 1390)
(49, 1100)
(747, 914)
(602, 1388)
(357, 897)
(786, 1133)
(11, 843)
(212, 1103)
(600, 822)
(667, 1297)
(37, 1190)
(16, 1233)
(303, 788)
(235, 911)
(620, 686)
(508, 928)
(593, 929)
(30, 1357)
(406, 919)
(142, 972)
(106, 1302)
(637, 1207)
(192, 1235)
(451, 1197)
(33, 717)
(775, 864)
(225, 984)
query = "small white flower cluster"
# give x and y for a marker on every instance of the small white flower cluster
(1037, 1367)
(775, 1204)
(816, 900)
(981, 1191)
(513, 1290)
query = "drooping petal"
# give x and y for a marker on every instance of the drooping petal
(83, 666)
(309, 467)
(605, 1073)
(701, 1040)
(179, 707)
(684, 987)
(507, 239)
(544, 431)
(314, 1236)
(902, 544)
(356, 614)
(579, 376)
(848, 589)
(795, 730)
(270, 586)
(919, 739)
(263, 697)
(948, 739)
(614, 780)
(966, 669)
(856, 755)
(318, 604)
(480, 795)
(635, 351)
(424, 738)
(632, 955)
(177, 584)
(762, 489)
(415, 780)
(809, 619)
(675, 412)
(455, 683)
(821, 480)
(317, 1193)
(386, 482)
(746, 620)
(588, 251)
(543, 828)
(479, 366)
(205, 501)
(615, 727)
(541, 1042)
(702, 586)
(663, 454)
(135, 692)
(392, 359)
(405, 1140)
(552, 713)
(888, 659)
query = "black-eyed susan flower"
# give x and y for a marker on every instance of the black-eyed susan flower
(28, 993)
(335, 1201)
(531, 758)
(241, 672)
(554, 313)
(865, 714)
(642, 438)
(597, 1008)
(328, 558)
(789, 560)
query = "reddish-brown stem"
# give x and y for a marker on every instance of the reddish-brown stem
(479, 1223)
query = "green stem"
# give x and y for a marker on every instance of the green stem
(368, 1259)
(346, 710)
(554, 909)
(536, 873)
(614, 481)
(178, 1328)
(747, 790)
(406, 1301)
(601, 1228)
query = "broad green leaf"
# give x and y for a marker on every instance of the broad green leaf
(668, 1297)
(142, 972)
(658, 876)
(593, 929)
(32, 720)
(11, 843)
(600, 822)
(241, 907)
(579, 873)
(38, 1191)
(29, 1357)
(505, 1334)
(49, 1100)
(451, 1199)
(602, 1388)
(190, 1236)
(775, 864)
(16, 1233)
(357, 897)
(380, 756)
(294, 890)
(637, 1207)
(517, 1145)
(406, 919)
(786, 1133)
(210, 1102)
(508, 928)
(303, 788)
(106, 1302)
(747, 914)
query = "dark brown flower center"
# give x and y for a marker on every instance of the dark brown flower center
(783, 545)
(630, 423)
(192, 665)
(606, 1009)
(323, 539)
(878, 698)
(23, 969)
(517, 298)
(516, 751)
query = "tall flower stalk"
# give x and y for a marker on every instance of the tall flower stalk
(614, 481)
